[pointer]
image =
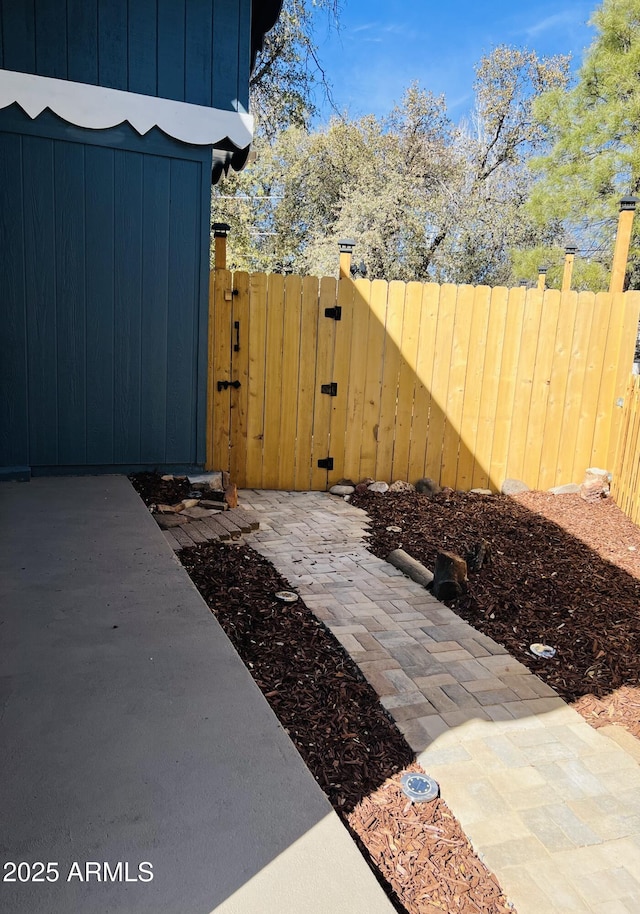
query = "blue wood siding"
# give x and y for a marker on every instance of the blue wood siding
(103, 291)
(196, 51)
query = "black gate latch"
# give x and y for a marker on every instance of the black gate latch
(331, 389)
(335, 313)
(224, 385)
(326, 464)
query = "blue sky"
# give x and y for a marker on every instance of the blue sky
(384, 45)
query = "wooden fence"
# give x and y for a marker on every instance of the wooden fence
(625, 487)
(467, 385)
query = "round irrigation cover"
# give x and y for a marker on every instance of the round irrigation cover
(287, 596)
(543, 651)
(419, 787)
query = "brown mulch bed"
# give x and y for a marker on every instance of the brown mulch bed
(346, 738)
(563, 571)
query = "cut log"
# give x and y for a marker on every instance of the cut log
(411, 567)
(450, 576)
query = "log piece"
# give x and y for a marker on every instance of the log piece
(450, 576)
(411, 567)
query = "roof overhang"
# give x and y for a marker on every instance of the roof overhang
(98, 108)
(264, 15)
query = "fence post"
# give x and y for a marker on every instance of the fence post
(569, 257)
(220, 232)
(623, 240)
(542, 278)
(345, 246)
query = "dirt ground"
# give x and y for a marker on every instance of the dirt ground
(563, 571)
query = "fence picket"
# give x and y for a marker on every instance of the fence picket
(289, 402)
(377, 299)
(407, 380)
(306, 383)
(549, 304)
(489, 388)
(472, 392)
(256, 392)
(440, 380)
(424, 375)
(390, 373)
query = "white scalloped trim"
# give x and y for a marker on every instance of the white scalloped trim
(97, 108)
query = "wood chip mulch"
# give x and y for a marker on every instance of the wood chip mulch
(352, 747)
(563, 571)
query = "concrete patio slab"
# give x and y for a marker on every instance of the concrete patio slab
(551, 805)
(132, 735)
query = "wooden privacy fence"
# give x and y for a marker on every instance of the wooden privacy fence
(314, 380)
(625, 487)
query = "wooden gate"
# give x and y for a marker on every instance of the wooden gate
(273, 346)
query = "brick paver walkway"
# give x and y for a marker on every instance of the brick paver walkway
(551, 805)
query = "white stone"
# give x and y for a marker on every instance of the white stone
(571, 488)
(380, 487)
(481, 492)
(401, 486)
(514, 487)
(342, 490)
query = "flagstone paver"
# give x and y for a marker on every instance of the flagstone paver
(551, 805)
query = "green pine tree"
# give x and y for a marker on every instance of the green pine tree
(594, 154)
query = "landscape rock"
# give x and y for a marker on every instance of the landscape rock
(514, 487)
(346, 482)
(569, 489)
(210, 480)
(196, 512)
(427, 486)
(596, 484)
(339, 489)
(480, 492)
(166, 521)
(401, 486)
(190, 502)
(362, 487)
(379, 487)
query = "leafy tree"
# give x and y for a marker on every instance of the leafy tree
(594, 136)
(424, 198)
(288, 69)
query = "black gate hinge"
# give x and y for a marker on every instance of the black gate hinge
(326, 464)
(331, 389)
(335, 313)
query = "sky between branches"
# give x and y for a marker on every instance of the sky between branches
(385, 45)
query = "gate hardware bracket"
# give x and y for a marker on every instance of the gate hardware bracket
(229, 293)
(331, 389)
(225, 385)
(326, 464)
(335, 313)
